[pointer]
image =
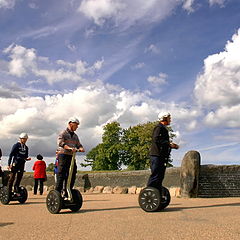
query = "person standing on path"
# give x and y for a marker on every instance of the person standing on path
(39, 169)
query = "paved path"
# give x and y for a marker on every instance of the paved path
(118, 216)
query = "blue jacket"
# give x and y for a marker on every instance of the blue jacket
(18, 155)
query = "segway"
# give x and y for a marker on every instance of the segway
(150, 200)
(56, 201)
(6, 196)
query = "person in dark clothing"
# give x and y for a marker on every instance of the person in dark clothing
(39, 168)
(160, 151)
(16, 162)
(68, 142)
(0, 160)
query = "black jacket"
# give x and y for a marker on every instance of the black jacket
(160, 142)
(18, 155)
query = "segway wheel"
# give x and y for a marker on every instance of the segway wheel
(165, 199)
(23, 195)
(149, 199)
(77, 200)
(4, 195)
(54, 202)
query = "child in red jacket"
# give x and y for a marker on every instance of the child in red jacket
(39, 168)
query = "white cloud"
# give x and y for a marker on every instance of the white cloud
(225, 115)
(127, 13)
(94, 105)
(152, 48)
(26, 61)
(218, 87)
(99, 10)
(7, 3)
(22, 60)
(138, 65)
(219, 2)
(158, 80)
(188, 5)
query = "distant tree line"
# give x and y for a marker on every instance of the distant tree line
(123, 147)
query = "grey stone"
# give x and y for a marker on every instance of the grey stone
(189, 174)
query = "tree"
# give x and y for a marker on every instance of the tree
(136, 142)
(106, 155)
(129, 147)
(50, 167)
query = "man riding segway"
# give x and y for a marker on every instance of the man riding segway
(156, 197)
(16, 164)
(68, 145)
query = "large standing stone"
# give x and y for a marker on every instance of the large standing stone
(189, 174)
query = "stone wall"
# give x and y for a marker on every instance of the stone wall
(219, 181)
(113, 179)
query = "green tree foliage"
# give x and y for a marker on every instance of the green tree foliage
(50, 167)
(106, 155)
(129, 147)
(136, 142)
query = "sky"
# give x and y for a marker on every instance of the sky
(125, 61)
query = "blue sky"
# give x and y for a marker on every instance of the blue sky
(107, 60)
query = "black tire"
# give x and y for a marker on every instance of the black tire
(23, 194)
(77, 200)
(165, 199)
(4, 195)
(54, 202)
(149, 199)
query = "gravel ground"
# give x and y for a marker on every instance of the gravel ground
(118, 216)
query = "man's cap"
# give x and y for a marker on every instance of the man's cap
(23, 135)
(163, 115)
(73, 120)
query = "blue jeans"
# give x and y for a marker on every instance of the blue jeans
(158, 169)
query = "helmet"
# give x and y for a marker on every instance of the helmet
(23, 135)
(73, 120)
(163, 115)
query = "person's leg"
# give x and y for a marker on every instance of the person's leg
(35, 186)
(61, 175)
(11, 181)
(41, 185)
(157, 173)
(18, 181)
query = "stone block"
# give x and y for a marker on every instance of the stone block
(189, 174)
(98, 189)
(132, 190)
(108, 190)
(120, 190)
(138, 190)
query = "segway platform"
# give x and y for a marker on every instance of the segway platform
(150, 200)
(56, 201)
(6, 196)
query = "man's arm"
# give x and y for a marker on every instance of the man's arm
(12, 154)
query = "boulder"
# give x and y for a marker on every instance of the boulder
(132, 190)
(107, 189)
(189, 174)
(98, 189)
(138, 190)
(120, 190)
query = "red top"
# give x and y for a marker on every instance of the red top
(39, 168)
